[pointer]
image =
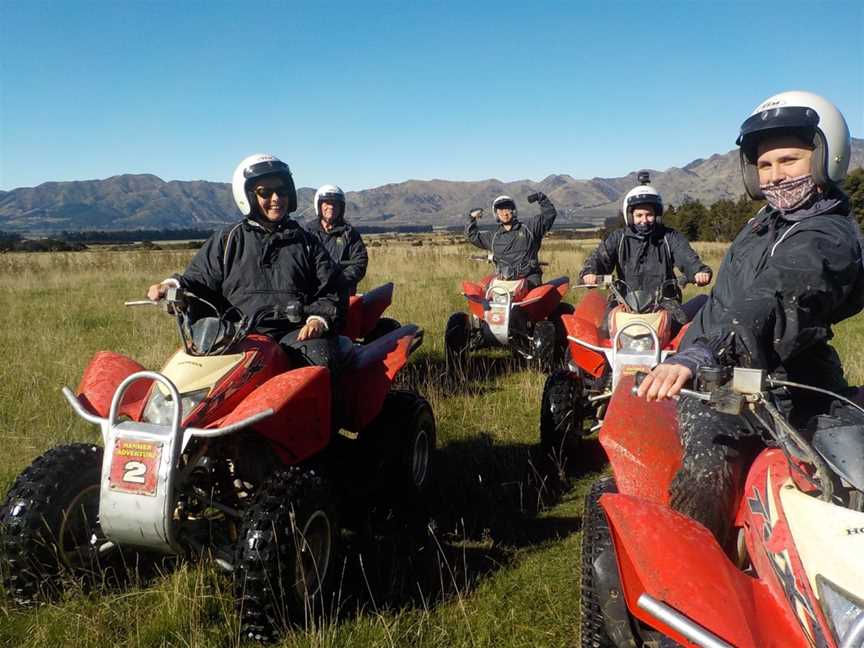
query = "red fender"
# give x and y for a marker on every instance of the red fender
(678, 562)
(591, 308)
(300, 398)
(592, 362)
(476, 296)
(541, 302)
(641, 441)
(365, 310)
(101, 378)
(363, 384)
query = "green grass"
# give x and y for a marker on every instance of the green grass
(512, 562)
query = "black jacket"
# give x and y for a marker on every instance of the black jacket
(785, 280)
(345, 246)
(251, 267)
(515, 252)
(644, 262)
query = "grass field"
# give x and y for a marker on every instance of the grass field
(513, 562)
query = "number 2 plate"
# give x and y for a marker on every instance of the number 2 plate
(135, 466)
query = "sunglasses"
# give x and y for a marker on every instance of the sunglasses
(267, 192)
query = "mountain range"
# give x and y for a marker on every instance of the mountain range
(144, 201)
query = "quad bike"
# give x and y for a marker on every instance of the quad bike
(508, 314)
(637, 335)
(654, 577)
(363, 322)
(229, 451)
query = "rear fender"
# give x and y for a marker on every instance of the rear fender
(641, 441)
(101, 378)
(561, 284)
(540, 303)
(678, 562)
(300, 400)
(476, 296)
(365, 310)
(354, 318)
(590, 361)
(364, 383)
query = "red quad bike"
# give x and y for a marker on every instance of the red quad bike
(229, 451)
(507, 314)
(363, 322)
(637, 336)
(654, 577)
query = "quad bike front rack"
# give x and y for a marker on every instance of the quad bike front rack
(137, 495)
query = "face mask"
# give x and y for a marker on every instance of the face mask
(790, 194)
(644, 228)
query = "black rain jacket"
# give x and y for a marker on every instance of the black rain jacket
(251, 267)
(785, 280)
(645, 262)
(515, 252)
(345, 246)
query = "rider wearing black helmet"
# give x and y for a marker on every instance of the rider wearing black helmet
(791, 273)
(267, 261)
(514, 244)
(343, 242)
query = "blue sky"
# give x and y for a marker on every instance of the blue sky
(363, 94)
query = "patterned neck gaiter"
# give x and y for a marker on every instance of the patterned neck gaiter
(790, 194)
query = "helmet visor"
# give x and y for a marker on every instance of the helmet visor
(644, 199)
(266, 167)
(505, 204)
(787, 117)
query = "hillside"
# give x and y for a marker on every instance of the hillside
(148, 202)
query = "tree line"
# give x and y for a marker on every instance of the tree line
(722, 220)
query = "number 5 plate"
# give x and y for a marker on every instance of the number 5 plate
(135, 466)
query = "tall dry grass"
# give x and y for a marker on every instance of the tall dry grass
(511, 564)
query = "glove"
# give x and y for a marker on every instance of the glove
(536, 197)
(474, 214)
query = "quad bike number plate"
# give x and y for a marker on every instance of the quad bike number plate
(135, 466)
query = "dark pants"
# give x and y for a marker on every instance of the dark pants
(718, 450)
(317, 351)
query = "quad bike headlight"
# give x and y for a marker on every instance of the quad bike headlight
(844, 611)
(160, 408)
(636, 343)
(499, 298)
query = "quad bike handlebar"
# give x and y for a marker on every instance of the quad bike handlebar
(489, 258)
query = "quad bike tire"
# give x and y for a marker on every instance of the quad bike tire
(605, 621)
(286, 551)
(562, 414)
(49, 526)
(382, 327)
(544, 346)
(457, 337)
(411, 426)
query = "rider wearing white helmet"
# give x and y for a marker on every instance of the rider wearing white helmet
(267, 261)
(791, 273)
(342, 242)
(514, 244)
(645, 252)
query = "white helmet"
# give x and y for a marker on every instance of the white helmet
(254, 167)
(815, 119)
(502, 202)
(644, 194)
(328, 192)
